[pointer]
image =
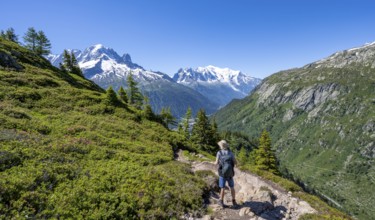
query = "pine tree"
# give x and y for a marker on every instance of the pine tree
(242, 157)
(62, 68)
(214, 132)
(147, 110)
(111, 97)
(43, 45)
(31, 39)
(67, 61)
(123, 96)
(167, 117)
(185, 124)
(201, 133)
(9, 34)
(179, 129)
(135, 96)
(75, 69)
(264, 156)
(70, 63)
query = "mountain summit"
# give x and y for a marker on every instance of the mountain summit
(218, 84)
(107, 68)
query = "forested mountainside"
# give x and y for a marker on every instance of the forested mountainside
(66, 151)
(322, 121)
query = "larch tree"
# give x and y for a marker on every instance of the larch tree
(134, 95)
(111, 97)
(122, 94)
(43, 45)
(9, 34)
(70, 64)
(186, 124)
(147, 110)
(75, 69)
(31, 39)
(167, 117)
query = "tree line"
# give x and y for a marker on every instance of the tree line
(36, 41)
(202, 134)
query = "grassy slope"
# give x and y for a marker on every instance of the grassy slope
(312, 149)
(64, 153)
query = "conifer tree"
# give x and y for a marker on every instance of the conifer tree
(167, 117)
(122, 94)
(242, 157)
(201, 133)
(214, 132)
(62, 68)
(31, 39)
(179, 129)
(75, 69)
(135, 96)
(264, 156)
(70, 63)
(43, 45)
(67, 61)
(185, 124)
(111, 97)
(9, 34)
(147, 110)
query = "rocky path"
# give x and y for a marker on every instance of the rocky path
(258, 199)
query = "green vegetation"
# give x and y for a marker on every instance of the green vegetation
(66, 152)
(37, 42)
(70, 64)
(327, 147)
(123, 96)
(9, 34)
(264, 156)
(203, 135)
(134, 95)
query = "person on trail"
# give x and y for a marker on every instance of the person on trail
(226, 161)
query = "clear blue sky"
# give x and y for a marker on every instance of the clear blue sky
(258, 37)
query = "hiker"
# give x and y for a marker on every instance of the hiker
(226, 161)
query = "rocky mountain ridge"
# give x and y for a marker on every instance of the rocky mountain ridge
(106, 68)
(321, 118)
(210, 88)
(219, 84)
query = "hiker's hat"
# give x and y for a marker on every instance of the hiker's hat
(223, 144)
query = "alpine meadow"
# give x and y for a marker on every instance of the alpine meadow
(187, 110)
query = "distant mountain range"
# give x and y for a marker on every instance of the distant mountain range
(322, 121)
(205, 87)
(219, 85)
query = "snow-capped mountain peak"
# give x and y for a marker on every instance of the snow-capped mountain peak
(211, 74)
(101, 63)
(221, 84)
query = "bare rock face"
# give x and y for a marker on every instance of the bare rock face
(305, 99)
(364, 55)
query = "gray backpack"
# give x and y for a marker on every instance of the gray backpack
(226, 167)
